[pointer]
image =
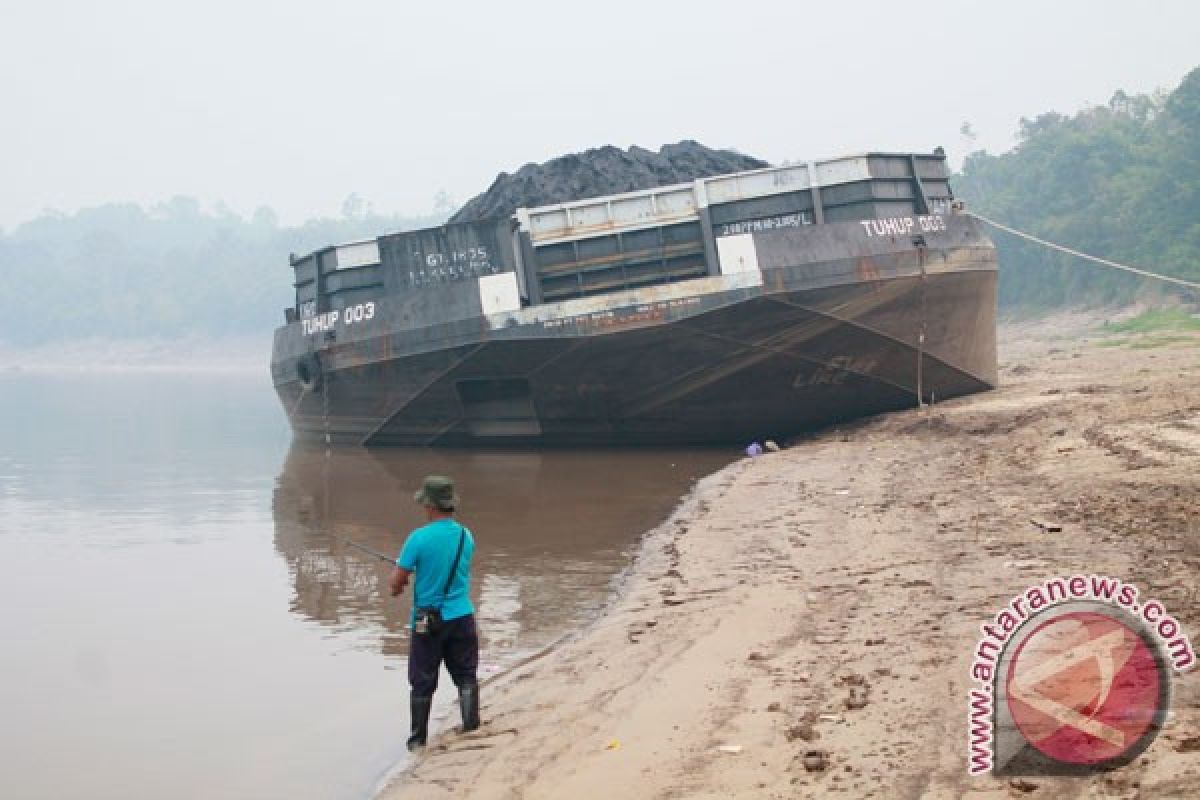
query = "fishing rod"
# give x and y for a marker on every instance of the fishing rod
(366, 549)
(343, 539)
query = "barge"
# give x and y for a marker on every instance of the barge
(743, 306)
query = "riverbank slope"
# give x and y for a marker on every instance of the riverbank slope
(863, 561)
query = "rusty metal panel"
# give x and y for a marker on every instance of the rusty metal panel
(843, 170)
(786, 179)
(663, 205)
(446, 254)
(584, 218)
(632, 210)
(548, 223)
(760, 207)
(611, 261)
(588, 217)
(758, 183)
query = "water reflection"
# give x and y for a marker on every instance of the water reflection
(552, 530)
(181, 622)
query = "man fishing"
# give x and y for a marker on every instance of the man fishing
(443, 619)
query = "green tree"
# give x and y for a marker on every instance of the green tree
(1120, 181)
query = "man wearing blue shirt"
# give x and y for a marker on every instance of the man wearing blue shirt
(439, 554)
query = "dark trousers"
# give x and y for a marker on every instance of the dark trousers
(457, 643)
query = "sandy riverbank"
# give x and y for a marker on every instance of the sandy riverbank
(867, 556)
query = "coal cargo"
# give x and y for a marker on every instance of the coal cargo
(598, 172)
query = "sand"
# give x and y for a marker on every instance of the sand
(862, 561)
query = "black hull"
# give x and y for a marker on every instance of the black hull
(767, 362)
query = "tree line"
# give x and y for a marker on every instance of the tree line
(175, 270)
(1120, 181)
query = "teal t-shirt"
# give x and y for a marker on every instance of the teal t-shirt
(428, 552)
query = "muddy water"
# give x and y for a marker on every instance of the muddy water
(181, 620)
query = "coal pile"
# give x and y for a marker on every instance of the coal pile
(598, 172)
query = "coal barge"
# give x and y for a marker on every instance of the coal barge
(754, 304)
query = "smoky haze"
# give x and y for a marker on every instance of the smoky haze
(298, 105)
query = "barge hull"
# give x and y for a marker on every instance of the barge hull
(770, 365)
(754, 305)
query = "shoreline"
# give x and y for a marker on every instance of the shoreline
(864, 557)
(399, 771)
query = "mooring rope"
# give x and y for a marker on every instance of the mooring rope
(1096, 259)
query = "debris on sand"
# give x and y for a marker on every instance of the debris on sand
(857, 698)
(802, 730)
(816, 760)
(1189, 745)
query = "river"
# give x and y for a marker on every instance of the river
(182, 619)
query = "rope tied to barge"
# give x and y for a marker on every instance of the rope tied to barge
(1102, 261)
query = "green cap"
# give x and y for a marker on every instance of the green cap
(437, 491)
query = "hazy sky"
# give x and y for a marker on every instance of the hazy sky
(297, 104)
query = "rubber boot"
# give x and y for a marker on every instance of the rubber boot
(419, 708)
(468, 703)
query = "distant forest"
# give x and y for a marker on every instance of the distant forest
(1120, 181)
(172, 271)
